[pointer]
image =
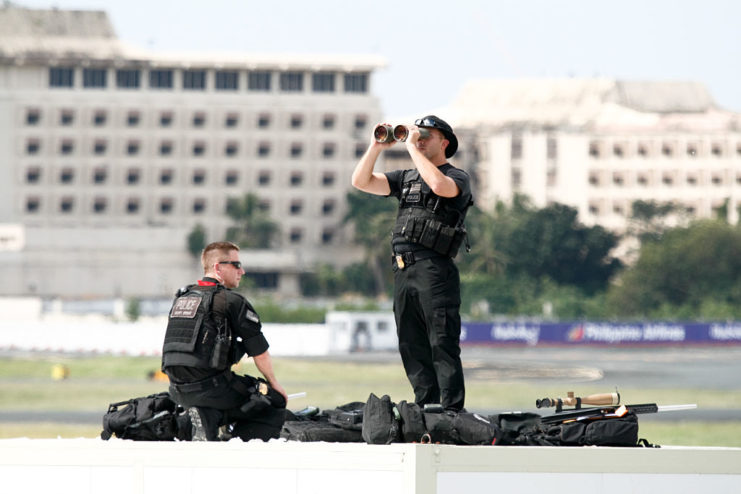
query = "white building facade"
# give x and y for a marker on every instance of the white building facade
(110, 156)
(599, 145)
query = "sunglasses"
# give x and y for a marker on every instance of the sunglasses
(236, 264)
(426, 122)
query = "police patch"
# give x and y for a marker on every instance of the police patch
(252, 316)
(185, 307)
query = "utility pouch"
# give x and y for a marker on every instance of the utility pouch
(220, 354)
(430, 233)
(444, 240)
(457, 240)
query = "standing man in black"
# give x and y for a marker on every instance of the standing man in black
(433, 200)
(210, 328)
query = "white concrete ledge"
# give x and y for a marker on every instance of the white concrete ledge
(118, 466)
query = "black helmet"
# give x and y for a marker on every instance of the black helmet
(433, 122)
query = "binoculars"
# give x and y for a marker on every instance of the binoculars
(386, 133)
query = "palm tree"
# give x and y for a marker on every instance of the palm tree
(253, 227)
(372, 218)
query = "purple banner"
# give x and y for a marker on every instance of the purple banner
(600, 333)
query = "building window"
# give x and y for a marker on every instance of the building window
(61, 77)
(716, 149)
(263, 121)
(33, 204)
(618, 150)
(296, 206)
(323, 82)
(667, 179)
(194, 80)
(297, 150)
(328, 207)
(199, 177)
(594, 149)
(199, 148)
(264, 205)
(263, 149)
(231, 120)
(356, 83)
(100, 204)
(551, 148)
(166, 205)
(199, 119)
(160, 79)
(258, 81)
(100, 175)
(66, 205)
(132, 206)
(692, 150)
(328, 150)
(227, 80)
(617, 179)
(292, 81)
(133, 118)
(33, 146)
(296, 121)
(328, 121)
(133, 176)
(166, 177)
(132, 148)
(263, 178)
(643, 150)
(717, 180)
(593, 179)
(328, 179)
(67, 117)
(66, 176)
(667, 149)
(231, 149)
(128, 78)
(296, 179)
(33, 116)
(99, 118)
(33, 175)
(515, 152)
(166, 148)
(359, 150)
(199, 206)
(94, 78)
(231, 177)
(67, 147)
(692, 179)
(296, 235)
(642, 179)
(327, 236)
(360, 122)
(165, 119)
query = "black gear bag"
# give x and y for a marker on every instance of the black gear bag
(151, 418)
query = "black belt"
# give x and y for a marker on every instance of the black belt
(204, 384)
(405, 259)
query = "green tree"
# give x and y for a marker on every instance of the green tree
(648, 219)
(252, 227)
(197, 241)
(372, 218)
(691, 272)
(551, 243)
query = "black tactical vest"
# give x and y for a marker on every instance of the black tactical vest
(194, 336)
(427, 219)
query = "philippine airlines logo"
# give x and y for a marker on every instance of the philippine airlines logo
(576, 333)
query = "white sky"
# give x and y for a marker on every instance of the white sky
(432, 47)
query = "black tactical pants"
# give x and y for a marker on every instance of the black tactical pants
(227, 403)
(426, 306)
